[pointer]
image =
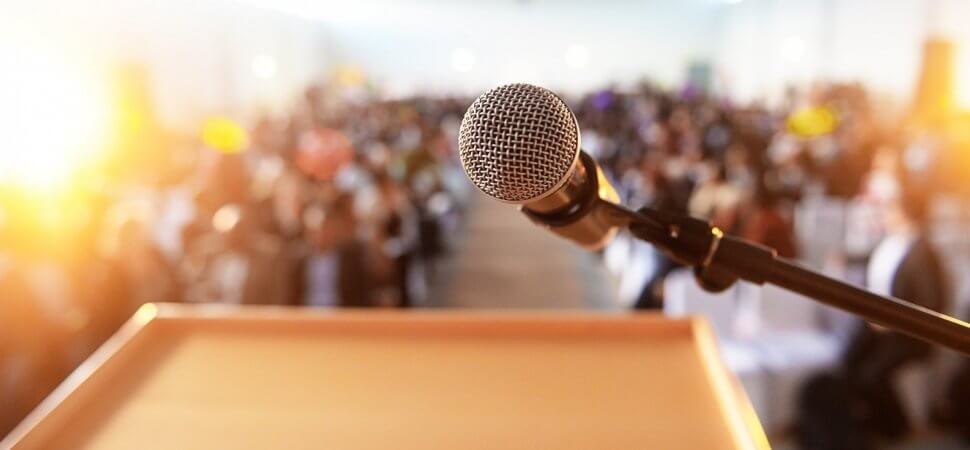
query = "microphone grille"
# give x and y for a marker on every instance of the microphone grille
(518, 142)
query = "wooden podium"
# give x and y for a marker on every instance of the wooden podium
(207, 377)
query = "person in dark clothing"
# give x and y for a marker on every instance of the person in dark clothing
(875, 356)
(340, 272)
(905, 266)
(827, 424)
(354, 285)
(955, 409)
(398, 235)
(353, 277)
(766, 225)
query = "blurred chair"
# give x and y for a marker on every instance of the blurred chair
(789, 359)
(792, 346)
(819, 227)
(683, 297)
(781, 310)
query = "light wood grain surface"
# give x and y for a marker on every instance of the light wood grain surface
(273, 378)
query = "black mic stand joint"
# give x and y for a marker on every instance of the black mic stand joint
(694, 242)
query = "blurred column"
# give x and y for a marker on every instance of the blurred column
(934, 98)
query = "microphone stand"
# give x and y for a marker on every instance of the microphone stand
(719, 260)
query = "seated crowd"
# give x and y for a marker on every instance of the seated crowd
(750, 171)
(349, 200)
(346, 201)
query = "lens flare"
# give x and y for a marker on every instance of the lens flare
(53, 117)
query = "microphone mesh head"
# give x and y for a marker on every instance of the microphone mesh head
(518, 142)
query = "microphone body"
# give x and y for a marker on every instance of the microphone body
(575, 209)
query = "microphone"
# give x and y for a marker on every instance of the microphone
(520, 144)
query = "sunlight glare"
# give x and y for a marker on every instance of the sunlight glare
(53, 118)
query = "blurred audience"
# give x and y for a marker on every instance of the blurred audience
(348, 200)
(748, 170)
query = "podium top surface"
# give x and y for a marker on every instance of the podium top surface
(262, 377)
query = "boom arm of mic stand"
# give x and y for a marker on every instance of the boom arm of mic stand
(720, 260)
